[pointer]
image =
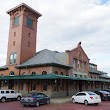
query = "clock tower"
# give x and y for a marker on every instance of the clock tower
(22, 34)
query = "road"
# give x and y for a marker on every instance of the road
(15, 105)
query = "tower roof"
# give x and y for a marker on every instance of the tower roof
(23, 5)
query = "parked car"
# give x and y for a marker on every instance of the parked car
(86, 97)
(108, 90)
(9, 94)
(35, 99)
(104, 95)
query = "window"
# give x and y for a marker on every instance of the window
(2, 92)
(13, 43)
(74, 63)
(29, 35)
(16, 21)
(61, 73)
(29, 22)
(79, 64)
(56, 72)
(44, 72)
(12, 59)
(81, 94)
(12, 92)
(33, 73)
(11, 73)
(83, 65)
(7, 92)
(28, 44)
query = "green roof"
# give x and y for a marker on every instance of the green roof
(50, 76)
(95, 72)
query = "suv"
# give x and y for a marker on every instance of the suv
(9, 94)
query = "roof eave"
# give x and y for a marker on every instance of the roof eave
(44, 64)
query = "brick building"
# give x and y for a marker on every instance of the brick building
(52, 72)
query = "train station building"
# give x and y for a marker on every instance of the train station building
(51, 72)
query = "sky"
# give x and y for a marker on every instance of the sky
(65, 23)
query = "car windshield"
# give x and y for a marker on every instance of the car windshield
(91, 93)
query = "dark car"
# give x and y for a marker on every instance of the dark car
(108, 90)
(104, 95)
(35, 99)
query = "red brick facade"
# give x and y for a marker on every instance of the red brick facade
(22, 41)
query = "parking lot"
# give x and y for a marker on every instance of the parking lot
(15, 105)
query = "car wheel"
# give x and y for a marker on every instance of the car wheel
(37, 104)
(18, 98)
(96, 103)
(3, 99)
(86, 102)
(48, 101)
(73, 100)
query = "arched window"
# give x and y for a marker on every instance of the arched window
(33, 73)
(61, 73)
(56, 72)
(11, 73)
(2, 74)
(23, 73)
(44, 72)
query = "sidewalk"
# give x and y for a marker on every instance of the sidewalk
(60, 100)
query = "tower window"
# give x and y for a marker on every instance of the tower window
(28, 44)
(12, 59)
(16, 21)
(29, 22)
(29, 35)
(13, 43)
(14, 34)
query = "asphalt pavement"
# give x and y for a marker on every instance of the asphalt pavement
(60, 100)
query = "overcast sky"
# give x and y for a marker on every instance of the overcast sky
(63, 24)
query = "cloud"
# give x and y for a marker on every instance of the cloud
(65, 23)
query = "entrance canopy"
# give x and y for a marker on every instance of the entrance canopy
(50, 76)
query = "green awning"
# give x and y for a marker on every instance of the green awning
(50, 76)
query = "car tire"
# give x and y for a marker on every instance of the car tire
(96, 103)
(37, 104)
(73, 100)
(85, 102)
(3, 99)
(48, 101)
(19, 98)
(24, 105)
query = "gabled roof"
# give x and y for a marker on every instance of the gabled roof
(79, 46)
(46, 57)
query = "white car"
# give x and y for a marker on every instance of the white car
(86, 97)
(9, 94)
